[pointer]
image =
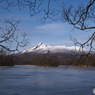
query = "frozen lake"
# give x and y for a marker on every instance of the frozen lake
(39, 80)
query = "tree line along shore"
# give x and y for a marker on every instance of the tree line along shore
(47, 60)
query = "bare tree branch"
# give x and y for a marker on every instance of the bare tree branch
(35, 7)
(78, 17)
(8, 36)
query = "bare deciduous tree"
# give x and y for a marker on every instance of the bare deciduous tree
(8, 34)
(78, 17)
(81, 18)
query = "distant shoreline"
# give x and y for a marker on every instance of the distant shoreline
(48, 60)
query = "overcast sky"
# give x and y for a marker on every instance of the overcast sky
(49, 32)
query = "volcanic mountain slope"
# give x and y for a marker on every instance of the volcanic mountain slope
(45, 49)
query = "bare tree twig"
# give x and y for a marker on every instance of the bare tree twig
(8, 36)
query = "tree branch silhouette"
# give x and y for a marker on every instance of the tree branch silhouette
(78, 19)
(35, 7)
(8, 36)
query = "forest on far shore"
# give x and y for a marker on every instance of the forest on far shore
(7, 59)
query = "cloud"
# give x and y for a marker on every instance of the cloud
(53, 29)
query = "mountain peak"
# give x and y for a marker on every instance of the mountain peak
(40, 44)
(37, 46)
(44, 48)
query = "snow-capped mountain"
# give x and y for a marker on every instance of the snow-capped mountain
(44, 48)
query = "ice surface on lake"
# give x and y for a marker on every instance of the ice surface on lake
(35, 80)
